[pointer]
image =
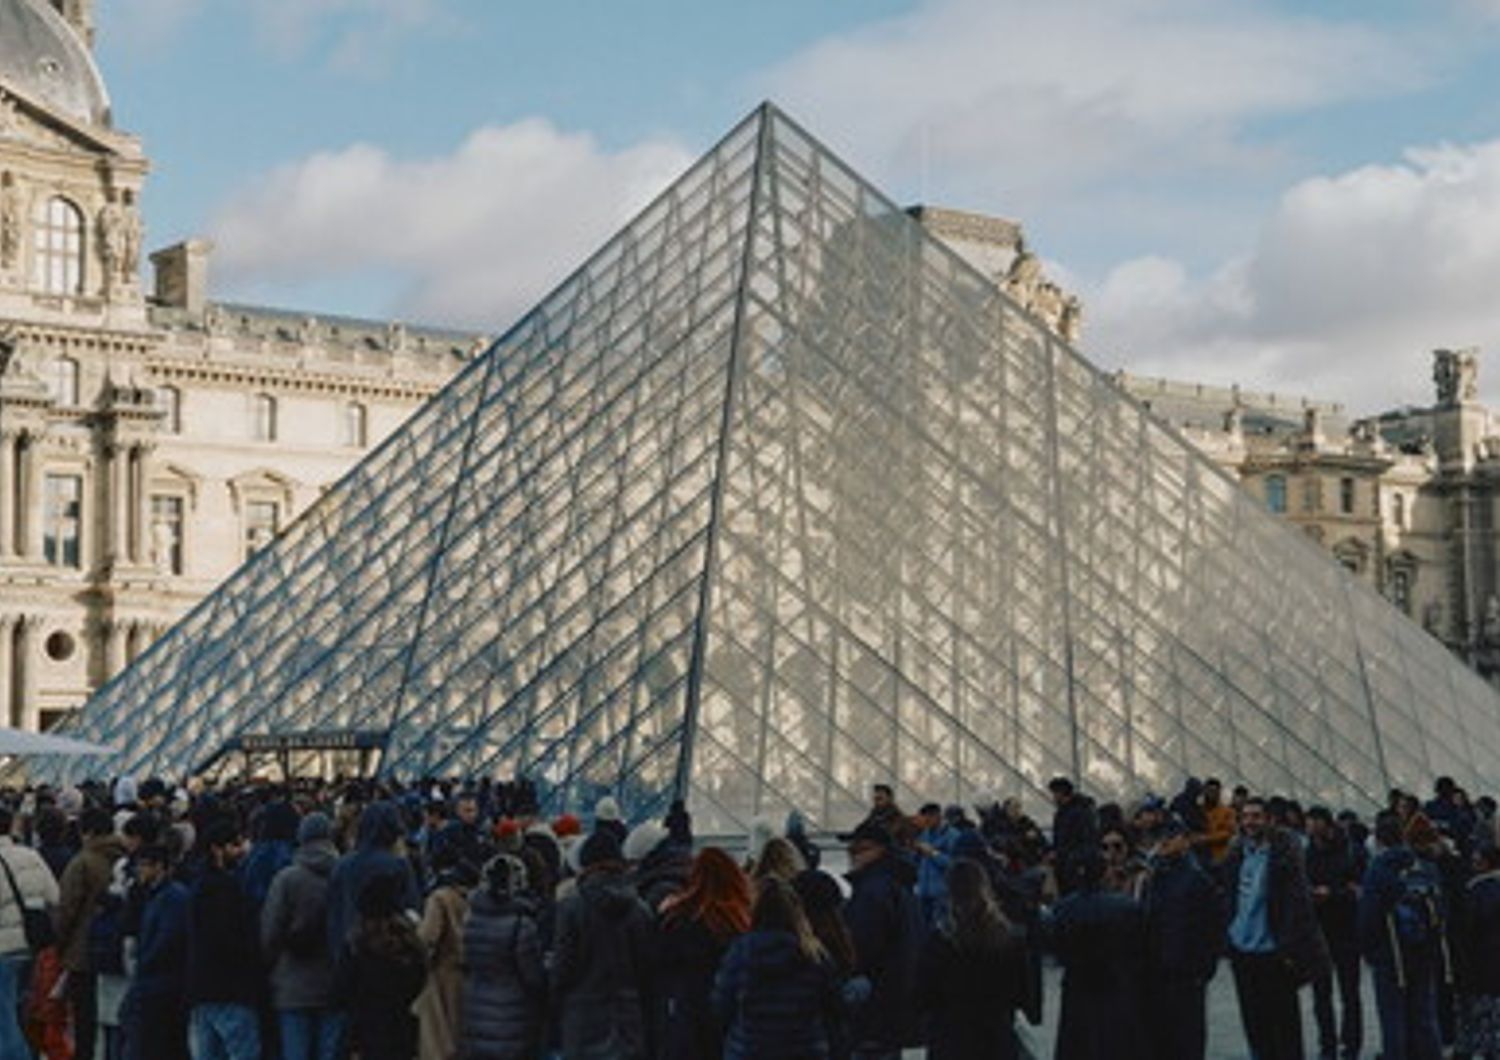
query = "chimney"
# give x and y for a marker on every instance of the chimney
(182, 275)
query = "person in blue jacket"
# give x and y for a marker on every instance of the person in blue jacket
(155, 1018)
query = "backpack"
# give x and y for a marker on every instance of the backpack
(307, 934)
(1416, 917)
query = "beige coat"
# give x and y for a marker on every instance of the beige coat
(438, 1006)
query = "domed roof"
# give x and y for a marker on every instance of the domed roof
(43, 58)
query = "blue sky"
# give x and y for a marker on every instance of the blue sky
(1298, 196)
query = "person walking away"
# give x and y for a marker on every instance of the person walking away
(1479, 984)
(823, 904)
(294, 937)
(223, 954)
(695, 929)
(505, 981)
(601, 974)
(885, 922)
(441, 931)
(1333, 873)
(1098, 938)
(154, 1018)
(384, 971)
(1275, 946)
(971, 973)
(84, 882)
(1401, 933)
(775, 991)
(376, 853)
(1184, 927)
(1075, 826)
(26, 884)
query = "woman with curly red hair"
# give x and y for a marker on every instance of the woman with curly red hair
(696, 927)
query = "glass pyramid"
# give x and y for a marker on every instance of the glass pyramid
(775, 498)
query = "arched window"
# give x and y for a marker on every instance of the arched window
(356, 425)
(263, 425)
(169, 400)
(57, 247)
(64, 383)
(1276, 494)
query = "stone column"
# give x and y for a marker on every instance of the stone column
(117, 517)
(27, 711)
(7, 494)
(114, 647)
(7, 670)
(140, 504)
(32, 499)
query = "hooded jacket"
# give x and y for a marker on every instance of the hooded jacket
(161, 954)
(601, 967)
(374, 855)
(296, 905)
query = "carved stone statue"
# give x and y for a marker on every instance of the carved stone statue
(1024, 275)
(132, 235)
(1456, 373)
(10, 222)
(1234, 419)
(163, 540)
(111, 226)
(1070, 323)
(1048, 304)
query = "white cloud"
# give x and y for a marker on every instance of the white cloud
(1354, 279)
(478, 234)
(1033, 100)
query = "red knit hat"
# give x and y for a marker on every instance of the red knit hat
(567, 825)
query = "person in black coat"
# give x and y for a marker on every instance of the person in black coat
(384, 970)
(505, 983)
(1075, 826)
(775, 990)
(153, 1015)
(223, 977)
(1099, 938)
(886, 925)
(1477, 961)
(601, 967)
(971, 973)
(1184, 926)
(1333, 872)
(694, 931)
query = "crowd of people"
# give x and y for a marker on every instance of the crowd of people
(316, 921)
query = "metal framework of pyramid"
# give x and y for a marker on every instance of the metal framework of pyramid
(774, 498)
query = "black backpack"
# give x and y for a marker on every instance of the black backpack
(1416, 918)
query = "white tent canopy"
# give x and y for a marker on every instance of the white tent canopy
(19, 742)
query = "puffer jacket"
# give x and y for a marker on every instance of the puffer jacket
(302, 975)
(38, 890)
(87, 877)
(504, 981)
(777, 1003)
(601, 968)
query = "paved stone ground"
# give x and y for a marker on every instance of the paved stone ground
(1225, 1039)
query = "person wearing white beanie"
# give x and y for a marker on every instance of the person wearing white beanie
(643, 839)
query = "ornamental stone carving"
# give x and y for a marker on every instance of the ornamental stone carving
(1456, 373)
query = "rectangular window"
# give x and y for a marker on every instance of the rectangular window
(169, 400)
(62, 512)
(263, 418)
(262, 522)
(1312, 494)
(166, 534)
(1401, 590)
(1276, 494)
(1398, 510)
(1346, 495)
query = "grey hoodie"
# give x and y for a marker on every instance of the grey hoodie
(302, 975)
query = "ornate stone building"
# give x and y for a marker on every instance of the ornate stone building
(149, 440)
(1405, 499)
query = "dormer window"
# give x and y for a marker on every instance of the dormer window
(57, 247)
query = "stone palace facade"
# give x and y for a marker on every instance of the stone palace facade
(150, 440)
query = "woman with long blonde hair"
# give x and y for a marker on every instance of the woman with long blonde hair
(776, 992)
